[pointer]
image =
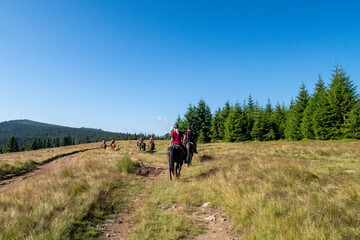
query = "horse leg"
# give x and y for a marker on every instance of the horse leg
(180, 164)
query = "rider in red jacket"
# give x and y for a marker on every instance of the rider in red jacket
(177, 137)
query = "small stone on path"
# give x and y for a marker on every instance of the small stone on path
(350, 171)
(206, 204)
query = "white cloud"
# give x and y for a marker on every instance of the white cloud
(165, 122)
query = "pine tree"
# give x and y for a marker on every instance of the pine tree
(48, 143)
(235, 126)
(191, 120)
(181, 123)
(201, 138)
(269, 133)
(66, 141)
(56, 142)
(33, 144)
(353, 122)
(216, 125)
(224, 114)
(278, 118)
(204, 118)
(257, 130)
(307, 124)
(341, 98)
(295, 115)
(11, 145)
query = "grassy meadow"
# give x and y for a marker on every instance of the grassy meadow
(271, 190)
(18, 162)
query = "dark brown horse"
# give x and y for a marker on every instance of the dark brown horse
(176, 155)
(151, 146)
(141, 146)
(190, 152)
(103, 146)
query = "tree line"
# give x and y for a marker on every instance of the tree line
(330, 112)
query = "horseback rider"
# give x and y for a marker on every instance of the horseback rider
(176, 139)
(103, 141)
(188, 137)
(112, 142)
(151, 141)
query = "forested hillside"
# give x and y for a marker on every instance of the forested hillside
(330, 112)
(30, 135)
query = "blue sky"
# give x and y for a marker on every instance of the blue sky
(133, 66)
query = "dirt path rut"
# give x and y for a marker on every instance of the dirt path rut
(50, 164)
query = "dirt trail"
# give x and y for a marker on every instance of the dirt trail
(50, 164)
(216, 226)
(122, 227)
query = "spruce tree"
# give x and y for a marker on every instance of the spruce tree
(236, 125)
(269, 125)
(204, 118)
(353, 122)
(307, 124)
(224, 114)
(278, 118)
(295, 115)
(191, 120)
(257, 130)
(181, 123)
(216, 125)
(11, 145)
(56, 142)
(341, 97)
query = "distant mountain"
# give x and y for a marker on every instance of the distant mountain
(23, 130)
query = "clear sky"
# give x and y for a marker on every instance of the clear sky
(133, 66)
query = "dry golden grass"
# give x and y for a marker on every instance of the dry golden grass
(273, 190)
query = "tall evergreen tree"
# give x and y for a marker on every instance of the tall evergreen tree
(353, 122)
(295, 115)
(56, 142)
(224, 114)
(307, 124)
(11, 145)
(278, 118)
(181, 123)
(341, 97)
(191, 120)
(216, 125)
(257, 130)
(204, 118)
(66, 141)
(236, 125)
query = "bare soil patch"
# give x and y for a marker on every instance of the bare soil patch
(121, 227)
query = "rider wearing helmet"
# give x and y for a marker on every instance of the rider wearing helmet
(188, 137)
(176, 139)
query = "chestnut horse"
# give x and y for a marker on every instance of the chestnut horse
(113, 146)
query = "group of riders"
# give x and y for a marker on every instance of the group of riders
(177, 139)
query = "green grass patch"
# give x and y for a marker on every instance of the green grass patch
(18, 168)
(125, 164)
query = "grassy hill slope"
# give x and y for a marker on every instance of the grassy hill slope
(23, 130)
